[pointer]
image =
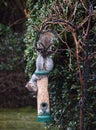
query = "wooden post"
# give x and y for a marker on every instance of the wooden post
(43, 104)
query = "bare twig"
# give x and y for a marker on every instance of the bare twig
(74, 11)
(92, 55)
(83, 22)
(65, 43)
(83, 4)
(22, 20)
(89, 21)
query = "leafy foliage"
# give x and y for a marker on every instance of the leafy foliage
(11, 49)
(64, 82)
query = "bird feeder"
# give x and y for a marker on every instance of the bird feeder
(44, 64)
(43, 105)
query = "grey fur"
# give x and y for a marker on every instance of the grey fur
(41, 64)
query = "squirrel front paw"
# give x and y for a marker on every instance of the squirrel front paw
(31, 87)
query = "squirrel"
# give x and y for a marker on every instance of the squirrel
(44, 60)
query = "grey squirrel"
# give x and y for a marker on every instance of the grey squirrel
(44, 60)
(41, 64)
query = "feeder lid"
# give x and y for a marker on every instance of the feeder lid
(41, 72)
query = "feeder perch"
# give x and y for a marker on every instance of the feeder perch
(43, 100)
(42, 72)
